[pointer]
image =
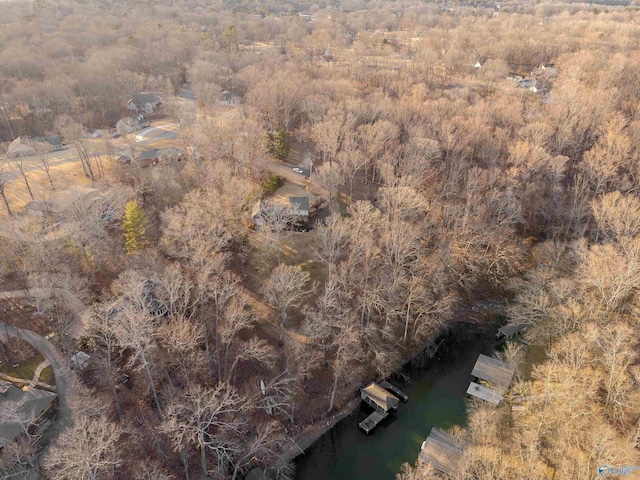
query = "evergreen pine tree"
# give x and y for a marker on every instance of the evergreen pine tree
(134, 227)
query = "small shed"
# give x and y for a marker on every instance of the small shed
(493, 370)
(80, 360)
(380, 397)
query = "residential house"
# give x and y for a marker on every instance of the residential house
(228, 99)
(143, 102)
(38, 208)
(55, 141)
(60, 201)
(148, 158)
(21, 147)
(27, 407)
(529, 84)
(131, 124)
(299, 208)
(477, 65)
(124, 159)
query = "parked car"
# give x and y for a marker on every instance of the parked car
(298, 170)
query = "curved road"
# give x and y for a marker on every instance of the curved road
(64, 416)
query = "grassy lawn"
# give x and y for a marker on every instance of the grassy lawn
(47, 376)
(27, 370)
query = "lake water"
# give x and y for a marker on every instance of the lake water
(436, 399)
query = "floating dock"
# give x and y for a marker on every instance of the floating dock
(395, 390)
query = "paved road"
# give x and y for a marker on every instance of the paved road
(64, 417)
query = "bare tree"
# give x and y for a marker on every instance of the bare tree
(4, 178)
(213, 420)
(285, 289)
(22, 168)
(331, 238)
(88, 449)
(44, 163)
(107, 349)
(275, 220)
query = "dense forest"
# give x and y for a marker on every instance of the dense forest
(457, 150)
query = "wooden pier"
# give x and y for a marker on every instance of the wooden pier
(395, 390)
(373, 420)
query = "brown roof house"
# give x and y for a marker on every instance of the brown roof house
(148, 158)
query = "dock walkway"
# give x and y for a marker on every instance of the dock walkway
(373, 420)
(395, 390)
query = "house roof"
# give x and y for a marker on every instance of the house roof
(148, 155)
(301, 203)
(141, 99)
(54, 140)
(21, 145)
(21, 406)
(38, 206)
(508, 330)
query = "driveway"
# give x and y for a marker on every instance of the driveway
(49, 352)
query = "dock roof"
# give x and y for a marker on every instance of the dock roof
(443, 451)
(484, 393)
(380, 396)
(494, 371)
(509, 329)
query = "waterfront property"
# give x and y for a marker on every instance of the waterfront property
(443, 451)
(380, 398)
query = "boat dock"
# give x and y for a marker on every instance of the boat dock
(443, 451)
(380, 398)
(497, 373)
(395, 390)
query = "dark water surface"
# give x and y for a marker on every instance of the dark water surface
(436, 399)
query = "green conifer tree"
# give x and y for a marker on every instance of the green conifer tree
(134, 227)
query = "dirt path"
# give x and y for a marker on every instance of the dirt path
(36, 374)
(64, 416)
